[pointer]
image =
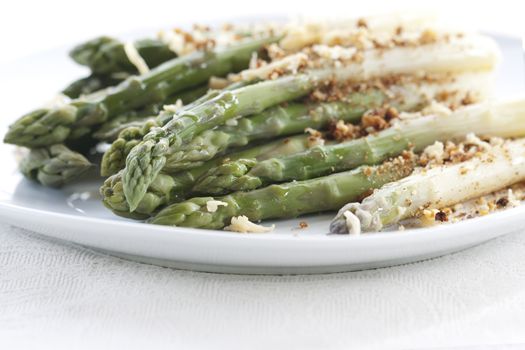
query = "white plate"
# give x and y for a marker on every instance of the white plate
(76, 214)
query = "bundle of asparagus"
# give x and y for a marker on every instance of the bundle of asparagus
(97, 115)
(150, 156)
(302, 119)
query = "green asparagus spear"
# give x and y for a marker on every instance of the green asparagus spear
(54, 165)
(89, 85)
(110, 130)
(58, 164)
(105, 55)
(167, 188)
(79, 117)
(114, 158)
(506, 119)
(277, 121)
(285, 200)
(148, 158)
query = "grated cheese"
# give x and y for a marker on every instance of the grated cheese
(435, 151)
(289, 64)
(135, 58)
(213, 205)
(353, 223)
(243, 225)
(232, 122)
(174, 108)
(57, 101)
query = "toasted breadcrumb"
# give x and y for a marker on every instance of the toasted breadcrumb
(472, 146)
(372, 121)
(315, 138)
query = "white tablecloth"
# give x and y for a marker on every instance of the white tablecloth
(64, 296)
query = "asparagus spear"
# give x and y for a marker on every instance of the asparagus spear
(79, 117)
(285, 200)
(110, 130)
(89, 85)
(167, 188)
(105, 55)
(277, 121)
(58, 164)
(148, 158)
(505, 119)
(498, 167)
(54, 165)
(114, 158)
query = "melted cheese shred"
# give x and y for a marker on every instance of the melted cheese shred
(135, 58)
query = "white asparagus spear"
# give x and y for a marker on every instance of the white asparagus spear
(469, 53)
(498, 167)
(306, 33)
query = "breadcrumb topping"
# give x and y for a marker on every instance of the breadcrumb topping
(204, 38)
(373, 120)
(480, 206)
(315, 138)
(451, 153)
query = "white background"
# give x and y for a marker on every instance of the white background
(60, 296)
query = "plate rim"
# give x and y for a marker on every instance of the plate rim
(191, 232)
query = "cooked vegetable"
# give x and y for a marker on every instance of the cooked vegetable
(498, 167)
(148, 158)
(290, 119)
(504, 119)
(167, 188)
(54, 166)
(283, 201)
(110, 130)
(90, 84)
(114, 158)
(105, 55)
(79, 117)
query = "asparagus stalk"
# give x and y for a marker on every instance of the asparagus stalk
(167, 188)
(54, 165)
(498, 167)
(505, 119)
(285, 200)
(346, 30)
(110, 130)
(77, 118)
(147, 159)
(294, 118)
(114, 158)
(105, 55)
(89, 85)
(277, 121)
